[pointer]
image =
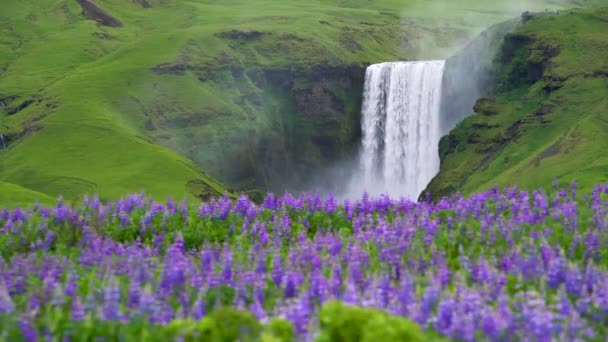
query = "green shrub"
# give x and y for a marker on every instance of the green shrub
(232, 325)
(343, 323)
(279, 330)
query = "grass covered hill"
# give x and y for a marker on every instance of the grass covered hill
(549, 116)
(112, 96)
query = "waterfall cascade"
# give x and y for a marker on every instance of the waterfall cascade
(401, 128)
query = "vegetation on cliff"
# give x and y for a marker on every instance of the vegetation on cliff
(548, 117)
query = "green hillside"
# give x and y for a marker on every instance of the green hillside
(549, 116)
(114, 96)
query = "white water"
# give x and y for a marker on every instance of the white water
(401, 128)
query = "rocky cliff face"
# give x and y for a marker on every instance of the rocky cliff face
(543, 115)
(320, 119)
(470, 74)
(295, 122)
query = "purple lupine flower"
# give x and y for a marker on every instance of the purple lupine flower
(270, 202)
(351, 295)
(198, 309)
(445, 313)
(277, 270)
(111, 301)
(8, 226)
(134, 294)
(227, 268)
(258, 310)
(574, 281)
(148, 305)
(592, 244)
(291, 290)
(427, 304)
(384, 291)
(7, 306)
(28, 329)
(184, 210)
(330, 204)
(78, 311)
(18, 215)
(71, 286)
(489, 326)
(336, 281)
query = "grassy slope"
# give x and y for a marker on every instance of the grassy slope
(93, 88)
(538, 128)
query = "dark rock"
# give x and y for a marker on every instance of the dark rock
(6, 101)
(237, 72)
(289, 36)
(485, 106)
(553, 150)
(23, 105)
(513, 131)
(170, 68)
(240, 35)
(142, 3)
(484, 125)
(473, 138)
(544, 109)
(527, 15)
(279, 78)
(513, 42)
(149, 124)
(600, 73)
(535, 71)
(318, 101)
(554, 83)
(11, 138)
(94, 12)
(104, 36)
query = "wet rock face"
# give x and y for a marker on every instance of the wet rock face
(320, 98)
(94, 12)
(512, 43)
(299, 121)
(326, 111)
(470, 73)
(318, 101)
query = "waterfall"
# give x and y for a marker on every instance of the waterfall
(401, 128)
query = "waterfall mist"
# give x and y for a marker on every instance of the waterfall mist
(401, 129)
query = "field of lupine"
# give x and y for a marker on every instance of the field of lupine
(498, 266)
